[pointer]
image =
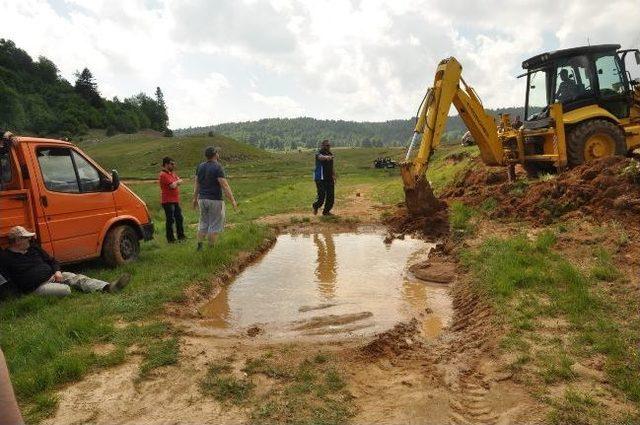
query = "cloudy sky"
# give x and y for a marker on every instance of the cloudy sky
(234, 60)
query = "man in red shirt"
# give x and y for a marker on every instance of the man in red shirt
(169, 182)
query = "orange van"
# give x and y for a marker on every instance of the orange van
(77, 209)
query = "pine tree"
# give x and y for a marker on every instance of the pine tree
(163, 116)
(87, 88)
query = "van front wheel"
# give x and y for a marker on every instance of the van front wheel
(121, 246)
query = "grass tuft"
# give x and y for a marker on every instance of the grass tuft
(160, 353)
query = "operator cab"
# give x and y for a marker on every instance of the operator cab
(578, 77)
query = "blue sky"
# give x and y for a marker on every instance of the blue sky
(235, 60)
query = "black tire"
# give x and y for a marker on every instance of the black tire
(535, 169)
(121, 246)
(581, 135)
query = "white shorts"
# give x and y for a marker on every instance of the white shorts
(212, 214)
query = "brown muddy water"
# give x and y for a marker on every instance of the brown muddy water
(330, 285)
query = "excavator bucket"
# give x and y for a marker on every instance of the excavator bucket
(418, 194)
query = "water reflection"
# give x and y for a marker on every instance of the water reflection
(300, 280)
(326, 264)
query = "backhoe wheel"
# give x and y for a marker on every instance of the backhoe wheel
(594, 139)
(121, 246)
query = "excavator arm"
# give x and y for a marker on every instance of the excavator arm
(448, 87)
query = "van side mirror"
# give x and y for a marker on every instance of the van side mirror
(115, 180)
(637, 54)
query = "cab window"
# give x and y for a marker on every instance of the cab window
(57, 169)
(88, 175)
(64, 170)
(573, 79)
(609, 76)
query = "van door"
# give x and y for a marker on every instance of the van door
(77, 201)
(15, 200)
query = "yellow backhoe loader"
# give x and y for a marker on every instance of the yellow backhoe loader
(581, 104)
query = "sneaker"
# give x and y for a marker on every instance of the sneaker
(330, 214)
(119, 284)
(199, 248)
(315, 210)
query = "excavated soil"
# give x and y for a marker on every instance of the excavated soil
(433, 227)
(603, 190)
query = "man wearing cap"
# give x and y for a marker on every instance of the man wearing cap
(170, 199)
(31, 269)
(210, 182)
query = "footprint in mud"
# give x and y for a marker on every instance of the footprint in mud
(330, 320)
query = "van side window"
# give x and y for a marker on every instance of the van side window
(89, 176)
(57, 168)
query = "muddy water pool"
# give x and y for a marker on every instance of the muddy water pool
(331, 285)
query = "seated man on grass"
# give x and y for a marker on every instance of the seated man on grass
(31, 269)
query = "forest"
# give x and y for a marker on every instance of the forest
(35, 99)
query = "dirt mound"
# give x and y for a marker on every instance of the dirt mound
(393, 342)
(605, 189)
(434, 270)
(433, 226)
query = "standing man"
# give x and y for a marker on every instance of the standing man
(170, 199)
(325, 178)
(207, 195)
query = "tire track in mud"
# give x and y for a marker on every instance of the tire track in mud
(470, 406)
(472, 340)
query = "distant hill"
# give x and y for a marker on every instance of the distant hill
(140, 155)
(35, 99)
(292, 133)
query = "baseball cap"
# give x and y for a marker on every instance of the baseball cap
(19, 232)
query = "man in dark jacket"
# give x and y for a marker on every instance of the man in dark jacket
(31, 269)
(325, 178)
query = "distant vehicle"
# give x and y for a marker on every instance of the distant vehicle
(77, 209)
(385, 162)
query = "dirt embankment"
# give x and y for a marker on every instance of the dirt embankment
(608, 189)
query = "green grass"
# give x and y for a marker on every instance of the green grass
(223, 386)
(603, 268)
(528, 280)
(576, 408)
(313, 392)
(159, 353)
(460, 216)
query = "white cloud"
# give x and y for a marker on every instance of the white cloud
(365, 60)
(198, 102)
(278, 106)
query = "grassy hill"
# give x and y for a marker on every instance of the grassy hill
(140, 155)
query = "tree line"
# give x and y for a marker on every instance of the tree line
(295, 133)
(35, 99)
